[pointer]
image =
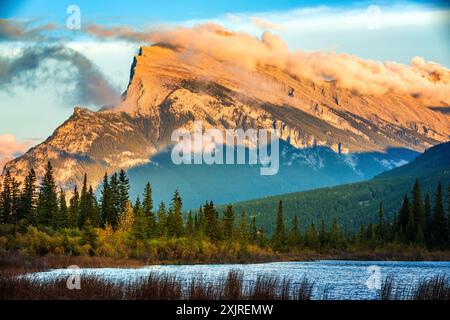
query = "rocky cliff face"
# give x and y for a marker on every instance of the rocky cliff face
(170, 89)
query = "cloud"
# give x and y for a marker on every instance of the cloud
(73, 75)
(120, 32)
(420, 78)
(13, 30)
(265, 24)
(64, 66)
(10, 148)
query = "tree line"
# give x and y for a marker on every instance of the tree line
(43, 204)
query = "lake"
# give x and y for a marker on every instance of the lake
(339, 279)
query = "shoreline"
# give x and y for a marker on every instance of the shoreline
(20, 263)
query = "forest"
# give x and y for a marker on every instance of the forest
(37, 219)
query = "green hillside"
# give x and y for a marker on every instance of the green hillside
(357, 203)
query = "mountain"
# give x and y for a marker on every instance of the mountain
(432, 160)
(356, 204)
(330, 134)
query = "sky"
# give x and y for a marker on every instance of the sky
(32, 105)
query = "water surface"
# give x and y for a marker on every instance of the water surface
(340, 279)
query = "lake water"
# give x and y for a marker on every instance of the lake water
(340, 279)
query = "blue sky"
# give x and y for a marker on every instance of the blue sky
(401, 31)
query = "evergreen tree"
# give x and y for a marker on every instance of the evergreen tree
(15, 200)
(124, 188)
(228, 222)
(253, 230)
(62, 220)
(115, 195)
(212, 228)
(148, 210)
(162, 220)
(83, 206)
(440, 232)
(89, 237)
(48, 198)
(93, 208)
(279, 237)
(243, 228)
(140, 223)
(294, 233)
(418, 213)
(323, 236)
(176, 219)
(74, 208)
(5, 196)
(404, 218)
(361, 235)
(429, 221)
(335, 235)
(448, 219)
(312, 237)
(107, 209)
(380, 225)
(28, 200)
(190, 225)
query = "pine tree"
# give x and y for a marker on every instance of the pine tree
(28, 199)
(429, 221)
(243, 228)
(404, 218)
(124, 188)
(74, 206)
(15, 201)
(83, 206)
(361, 235)
(48, 198)
(335, 235)
(380, 225)
(107, 209)
(6, 198)
(148, 210)
(323, 236)
(440, 232)
(62, 220)
(175, 223)
(279, 237)
(93, 212)
(115, 195)
(140, 224)
(313, 237)
(448, 219)
(294, 233)
(253, 230)
(162, 220)
(418, 214)
(190, 225)
(228, 222)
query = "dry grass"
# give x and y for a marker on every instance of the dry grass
(436, 288)
(158, 287)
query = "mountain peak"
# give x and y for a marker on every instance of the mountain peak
(172, 84)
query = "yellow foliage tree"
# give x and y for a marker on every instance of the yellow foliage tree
(126, 219)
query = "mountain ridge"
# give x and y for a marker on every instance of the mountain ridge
(169, 89)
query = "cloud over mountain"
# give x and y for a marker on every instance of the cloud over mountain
(420, 78)
(11, 148)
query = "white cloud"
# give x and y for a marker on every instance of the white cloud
(10, 148)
